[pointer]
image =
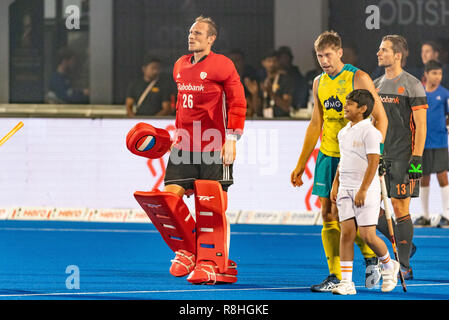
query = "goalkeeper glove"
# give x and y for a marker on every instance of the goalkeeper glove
(415, 167)
(382, 167)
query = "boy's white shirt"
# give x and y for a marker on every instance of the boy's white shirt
(356, 141)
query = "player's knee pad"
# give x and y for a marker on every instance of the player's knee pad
(211, 223)
(171, 217)
(147, 141)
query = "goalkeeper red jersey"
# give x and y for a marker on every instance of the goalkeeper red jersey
(210, 102)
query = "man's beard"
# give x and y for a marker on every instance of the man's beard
(385, 65)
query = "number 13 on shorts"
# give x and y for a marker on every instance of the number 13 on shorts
(405, 189)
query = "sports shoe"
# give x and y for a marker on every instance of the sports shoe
(372, 272)
(422, 222)
(443, 222)
(327, 285)
(182, 264)
(407, 273)
(390, 278)
(345, 287)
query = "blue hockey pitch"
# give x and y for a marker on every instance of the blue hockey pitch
(131, 261)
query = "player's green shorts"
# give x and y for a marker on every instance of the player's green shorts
(325, 170)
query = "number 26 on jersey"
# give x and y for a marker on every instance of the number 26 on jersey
(187, 101)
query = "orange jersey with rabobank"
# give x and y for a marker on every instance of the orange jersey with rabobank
(332, 92)
(210, 102)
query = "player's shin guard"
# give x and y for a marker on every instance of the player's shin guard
(212, 264)
(404, 238)
(172, 219)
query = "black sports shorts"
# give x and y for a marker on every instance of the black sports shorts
(184, 167)
(398, 183)
(434, 161)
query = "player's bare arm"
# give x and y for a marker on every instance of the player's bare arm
(312, 135)
(371, 170)
(420, 118)
(363, 81)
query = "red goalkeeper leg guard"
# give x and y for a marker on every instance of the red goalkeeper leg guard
(212, 263)
(172, 219)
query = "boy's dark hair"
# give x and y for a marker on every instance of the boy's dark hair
(363, 98)
(432, 65)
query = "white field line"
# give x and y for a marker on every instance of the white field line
(183, 291)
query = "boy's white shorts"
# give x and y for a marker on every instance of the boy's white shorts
(367, 215)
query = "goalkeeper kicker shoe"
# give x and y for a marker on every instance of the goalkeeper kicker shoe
(183, 263)
(206, 272)
(345, 287)
(327, 285)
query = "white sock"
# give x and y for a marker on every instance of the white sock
(386, 262)
(346, 270)
(424, 196)
(445, 200)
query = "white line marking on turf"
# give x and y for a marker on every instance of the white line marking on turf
(142, 292)
(186, 290)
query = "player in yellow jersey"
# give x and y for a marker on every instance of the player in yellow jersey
(329, 95)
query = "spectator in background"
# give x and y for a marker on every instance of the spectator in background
(150, 95)
(277, 88)
(60, 89)
(249, 79)
(430, 50)
(435, 155)
(300, 90)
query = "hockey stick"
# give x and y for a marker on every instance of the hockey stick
(390, 228)
(10, 133)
